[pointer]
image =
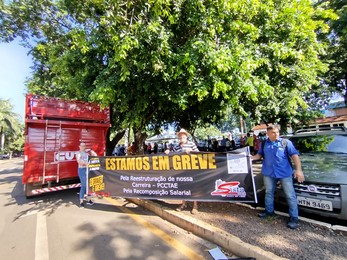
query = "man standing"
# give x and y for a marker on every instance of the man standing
(276, 153)
(250, 143)
(223, 144)
(185, 146)
(82, 160)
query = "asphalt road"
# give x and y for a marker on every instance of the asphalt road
(52, 226)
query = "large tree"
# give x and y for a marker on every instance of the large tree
(182, 61)
(336, 76)
(9, 123)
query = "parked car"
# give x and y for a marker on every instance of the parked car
(5, 156)
(323, 154)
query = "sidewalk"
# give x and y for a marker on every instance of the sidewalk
(13, 159)
(204, 230)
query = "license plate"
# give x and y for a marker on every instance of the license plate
(314, 203)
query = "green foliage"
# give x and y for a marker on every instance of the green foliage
(158, 62)
(205, 133)
(16, 143)
(314, 144)
(10, 126)
(336, 77)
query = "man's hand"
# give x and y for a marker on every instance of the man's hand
(83, 163)
(256, 157)
(299, 175)
(298, 170)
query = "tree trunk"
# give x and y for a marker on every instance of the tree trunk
(2, 141)
(140, 138)
(345, 95)
(110, 144)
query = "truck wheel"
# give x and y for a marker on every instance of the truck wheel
(28, 188)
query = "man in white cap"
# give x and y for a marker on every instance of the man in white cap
(185, 146)
(82, 160)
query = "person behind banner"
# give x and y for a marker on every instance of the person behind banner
(256, 144)
(277, 153)
(250, 143)
(131, 149)
(185, 146)
(82, 160)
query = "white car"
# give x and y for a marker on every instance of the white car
(323, 154)
(5, 156)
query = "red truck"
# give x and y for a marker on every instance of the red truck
(53, 130)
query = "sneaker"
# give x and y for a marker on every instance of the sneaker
(266, 214)
(293, 223)
(90, 202)
(81, 205)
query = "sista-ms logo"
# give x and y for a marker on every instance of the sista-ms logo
(228, 189)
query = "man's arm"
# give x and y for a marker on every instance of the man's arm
(92, 153)
(256, 157)
(298, 170)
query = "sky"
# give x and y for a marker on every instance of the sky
(14, 70)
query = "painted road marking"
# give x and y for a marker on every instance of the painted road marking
(41, 240)
(174, 243)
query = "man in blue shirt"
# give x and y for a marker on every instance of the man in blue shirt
(277, 167)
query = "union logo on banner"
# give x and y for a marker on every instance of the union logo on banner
(228, 189)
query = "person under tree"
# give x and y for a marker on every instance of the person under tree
(185, 146)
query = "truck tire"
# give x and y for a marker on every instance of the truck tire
(28, 188)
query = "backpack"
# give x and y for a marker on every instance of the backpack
(284, 144)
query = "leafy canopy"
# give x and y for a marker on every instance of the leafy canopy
(182, 61)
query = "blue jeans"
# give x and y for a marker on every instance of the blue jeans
(82, 174)
(288, 188)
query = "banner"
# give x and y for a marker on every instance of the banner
(200, 176)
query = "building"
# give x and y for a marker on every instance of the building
(336, 109)
(334, 115)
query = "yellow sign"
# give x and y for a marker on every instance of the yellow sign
(97, 183)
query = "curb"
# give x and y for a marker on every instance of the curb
(208, 232)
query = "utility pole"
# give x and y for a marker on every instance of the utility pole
(241, 125)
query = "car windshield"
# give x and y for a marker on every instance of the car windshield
(321, 143)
